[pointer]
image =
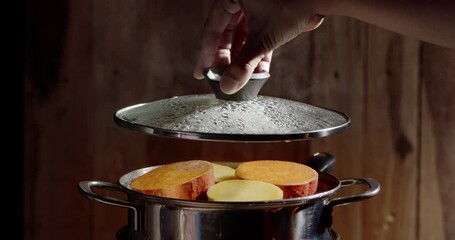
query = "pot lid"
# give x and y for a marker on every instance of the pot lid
(243, 116)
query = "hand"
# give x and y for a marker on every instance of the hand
(242, 34)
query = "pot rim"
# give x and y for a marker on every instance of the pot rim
(327, 186)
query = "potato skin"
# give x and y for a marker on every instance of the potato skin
(188, 180)
(191, 190)
(303, 190)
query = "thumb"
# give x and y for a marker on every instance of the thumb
(237, 74)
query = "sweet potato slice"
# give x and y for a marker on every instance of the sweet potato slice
(223, 172)
(182, 180)
(236, 190)
(295, 179)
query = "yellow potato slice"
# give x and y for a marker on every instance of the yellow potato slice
(237, 190)
(223, 172)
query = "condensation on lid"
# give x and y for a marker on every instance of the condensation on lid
(203, 116)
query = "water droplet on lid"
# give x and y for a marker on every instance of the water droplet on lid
(206, 114)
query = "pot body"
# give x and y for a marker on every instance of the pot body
(304, 221)
(157, 218)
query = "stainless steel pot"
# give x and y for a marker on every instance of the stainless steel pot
(153, 218)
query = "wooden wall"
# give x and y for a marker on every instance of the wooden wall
(87, 59)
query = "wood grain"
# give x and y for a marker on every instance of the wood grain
(58, 142)
(437, 201)
(338, 79)
(371, 74)
(390, 134)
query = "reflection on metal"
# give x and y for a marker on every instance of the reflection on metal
(205, 117)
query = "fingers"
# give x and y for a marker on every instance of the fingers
(256, 54)
(223, 54)
(228, 40)
(239, 36)
(217, 36)
(237, 74)
(264, 64)
(247, 58)
(314, 22)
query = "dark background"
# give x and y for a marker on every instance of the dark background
(83, 60)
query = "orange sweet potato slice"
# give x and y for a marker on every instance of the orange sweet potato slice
(295, 179)
(187, 180)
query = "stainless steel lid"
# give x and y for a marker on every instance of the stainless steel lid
(244, 116)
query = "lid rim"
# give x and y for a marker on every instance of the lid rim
(225, 137)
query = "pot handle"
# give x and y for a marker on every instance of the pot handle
(372, 191)
(85, 187)
(322, 162)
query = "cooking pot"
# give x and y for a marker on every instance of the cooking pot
(304, 218)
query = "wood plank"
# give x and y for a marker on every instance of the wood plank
(337, 80)
(390, 135)
(58, 148)
(437, 201)
(378, 89)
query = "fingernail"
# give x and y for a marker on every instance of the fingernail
(229, 85)
(197, 74)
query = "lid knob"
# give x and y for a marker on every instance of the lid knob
(248, 92)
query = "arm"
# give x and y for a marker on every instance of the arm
(243, 34)
(430, 21)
